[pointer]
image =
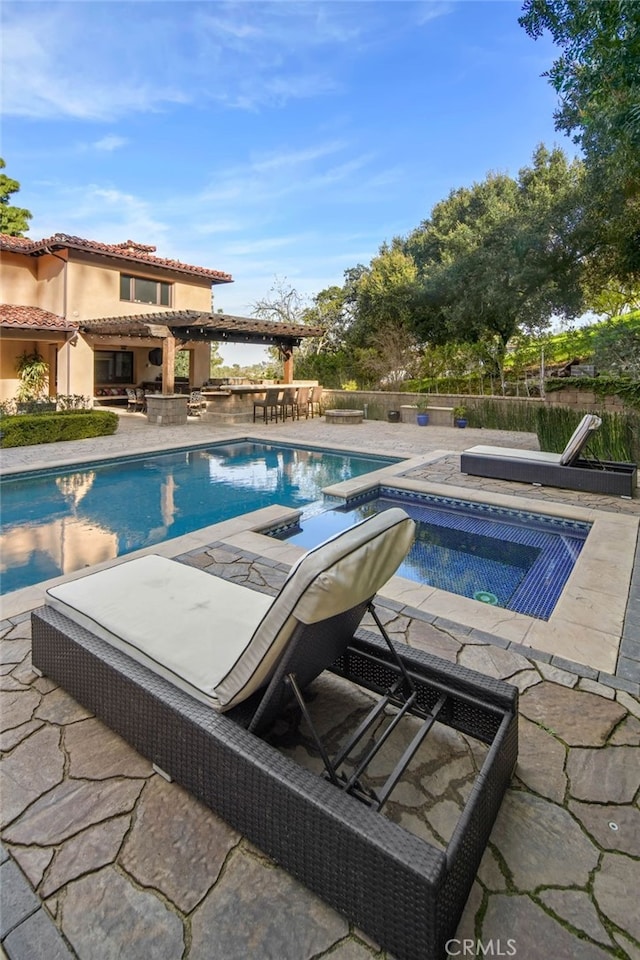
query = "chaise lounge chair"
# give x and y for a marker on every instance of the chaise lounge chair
(187, 667)
(564, 469)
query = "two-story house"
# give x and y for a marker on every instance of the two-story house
(52, 289)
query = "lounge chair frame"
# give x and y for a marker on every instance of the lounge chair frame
(616, 479)
(402, 891)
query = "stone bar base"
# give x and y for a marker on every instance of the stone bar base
(167, 409)
(234, 404)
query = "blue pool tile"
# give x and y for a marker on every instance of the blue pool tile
(516, 560)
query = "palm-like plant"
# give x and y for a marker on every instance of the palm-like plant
(33, 371)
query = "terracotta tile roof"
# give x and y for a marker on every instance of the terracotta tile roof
(32, 318)
(194, 324)
(128, 251)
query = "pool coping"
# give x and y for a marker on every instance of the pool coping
(597, 590)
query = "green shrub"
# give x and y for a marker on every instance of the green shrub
(502, 415)
(617, 439)
(26, 429)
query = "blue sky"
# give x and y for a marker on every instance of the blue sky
(268, 140)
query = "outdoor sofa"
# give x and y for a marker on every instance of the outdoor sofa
(191, 669)
(567, 469)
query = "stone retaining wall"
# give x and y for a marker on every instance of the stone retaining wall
(378, 403)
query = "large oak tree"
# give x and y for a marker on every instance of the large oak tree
(500, 256)
(597, 78)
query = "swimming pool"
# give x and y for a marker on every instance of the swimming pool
(58, 521)
(507, 558)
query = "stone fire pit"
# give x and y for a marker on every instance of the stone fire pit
(343, 416)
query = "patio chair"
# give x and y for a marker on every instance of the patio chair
(567, 469)
(188, 668)
(196, 403)
(315, 397)
(135, 402)
(268, 405)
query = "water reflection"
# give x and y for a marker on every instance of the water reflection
(57, 524)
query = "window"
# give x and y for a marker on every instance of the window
(113, 366)
(143, 290)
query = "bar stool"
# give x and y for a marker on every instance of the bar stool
(269, 405)
(288, 402)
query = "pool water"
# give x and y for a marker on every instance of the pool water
(518, 561)
(57, 522)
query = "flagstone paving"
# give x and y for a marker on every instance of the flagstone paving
(109, 860)
(101, 858)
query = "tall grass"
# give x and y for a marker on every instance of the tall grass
(507, 415)
(617, 439)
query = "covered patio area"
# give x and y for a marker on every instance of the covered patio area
(168, 332)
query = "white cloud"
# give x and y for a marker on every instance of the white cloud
(97, 213)
(428, 10)
(102, 60)
(109, 143)
(64, 61)
(292, 158)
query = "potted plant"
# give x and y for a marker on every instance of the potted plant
(460, 416)
(422, 417)
(33, 373)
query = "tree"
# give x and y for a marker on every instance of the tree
(183, 361)
(14, 221)
(328, 310)
(392, 354)
(384, 294)
(215, 360)
(598, 81)
(500, 257)
(616, 346)
(282, 304)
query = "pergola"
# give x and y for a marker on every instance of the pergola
(177, 327)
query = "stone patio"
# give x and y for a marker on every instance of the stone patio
(102, 858)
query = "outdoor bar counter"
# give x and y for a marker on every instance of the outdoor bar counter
(234, 403)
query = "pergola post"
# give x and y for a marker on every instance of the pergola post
(287, 357)
(168, 364)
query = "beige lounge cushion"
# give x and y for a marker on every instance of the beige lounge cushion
(579, 438)
(333, 577)
(219, 640)
(179, 621)
(513, 453)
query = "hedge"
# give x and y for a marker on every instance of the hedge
(26, 429)
(618, 438)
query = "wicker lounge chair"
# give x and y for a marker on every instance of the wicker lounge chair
(567, 469)
(193, 707)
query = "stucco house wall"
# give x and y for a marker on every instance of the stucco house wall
(93, 290)
(33, 281)
(81, 286)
